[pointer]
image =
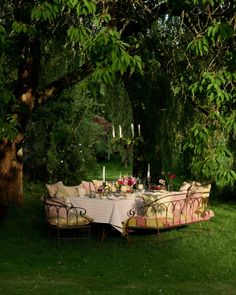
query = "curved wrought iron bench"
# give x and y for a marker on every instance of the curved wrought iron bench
(66, 221)
(173, 210)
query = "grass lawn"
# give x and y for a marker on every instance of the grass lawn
(113, 168)
(30, 263)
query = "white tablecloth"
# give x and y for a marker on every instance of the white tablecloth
(111, 211)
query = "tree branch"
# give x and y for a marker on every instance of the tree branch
(55, 88)
(197, 106)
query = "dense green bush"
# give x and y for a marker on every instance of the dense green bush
(62, 141)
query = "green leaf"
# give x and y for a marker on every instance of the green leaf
(45, 11)
(90, 5)
(79, 9)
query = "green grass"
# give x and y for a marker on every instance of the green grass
(31, 263)
(114, 169)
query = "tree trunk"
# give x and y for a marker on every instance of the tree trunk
(11, 185)
(29, 98)
(148, 150)
(148, 99)
(11, 164)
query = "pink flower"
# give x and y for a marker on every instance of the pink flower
(130, 181)
(120, 181)
(161, 181)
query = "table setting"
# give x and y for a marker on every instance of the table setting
(105, 201)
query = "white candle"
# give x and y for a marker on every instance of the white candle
(132, 130)
(140, 186)
(103, 174)
(120, 130)
(139, 130)
(148, 171)
(113, 131)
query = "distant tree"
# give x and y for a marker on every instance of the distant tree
(186, 97)
(204, 78)
(64, 139)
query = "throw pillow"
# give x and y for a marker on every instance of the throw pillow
(204, 190)
(62, 191)
(97, 184)
(88, 186)
(71, 191)
(53, 188)
(185, 186)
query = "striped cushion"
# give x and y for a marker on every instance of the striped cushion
(144, 222)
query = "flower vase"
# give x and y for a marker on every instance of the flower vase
(170, 187)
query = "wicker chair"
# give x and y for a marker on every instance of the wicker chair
(66, 221)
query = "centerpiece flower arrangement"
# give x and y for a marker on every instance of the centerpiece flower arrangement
(107, 187)
(162, 182)
(126, 183)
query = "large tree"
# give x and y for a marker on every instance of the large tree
(89, 50)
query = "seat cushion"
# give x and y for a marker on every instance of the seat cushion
(146, 222)
(72, 221)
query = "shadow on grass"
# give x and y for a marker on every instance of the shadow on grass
(31, 263)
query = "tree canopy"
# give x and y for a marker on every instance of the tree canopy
(182, 52)
(192, 44)
(72, 38)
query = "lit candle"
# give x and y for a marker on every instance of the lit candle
(148, 171)
(103, 174)
(120, 131)
(113, 131)
(139, 130)
(132, 130)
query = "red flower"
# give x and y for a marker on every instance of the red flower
(120, 181)
(130, 181)
(172, 176)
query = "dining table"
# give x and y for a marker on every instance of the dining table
(110, 209)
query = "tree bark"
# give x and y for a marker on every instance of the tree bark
(11, 172)
(11, 164)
